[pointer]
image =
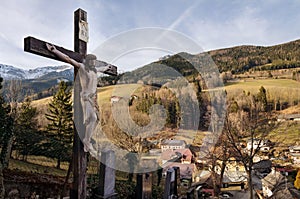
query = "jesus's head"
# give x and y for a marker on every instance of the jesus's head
(90, 60)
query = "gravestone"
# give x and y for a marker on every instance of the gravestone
(177, 180)
(144, 186)
(107, 175)
(190, 194)
(169, 183)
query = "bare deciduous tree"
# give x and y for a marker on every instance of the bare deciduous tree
(248, 123)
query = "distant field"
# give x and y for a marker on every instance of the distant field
(285, 89)
(279, 89)
(268, 83)
(122, 90)
(287, 134)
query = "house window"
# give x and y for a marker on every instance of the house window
(225, 185)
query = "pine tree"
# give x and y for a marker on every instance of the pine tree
(262, 98)
(6, 124)
(26, 137)
(6, 134)
(60, 128)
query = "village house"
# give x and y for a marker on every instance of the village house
(265, 145)
(275, 185)
(114, 99)
(295, 154)
(187, 171)
(235, 176)
(288, 117)
(294, 149)
(183, 156)
(173, 145)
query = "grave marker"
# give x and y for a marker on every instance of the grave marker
(107, 175)
(144, 186)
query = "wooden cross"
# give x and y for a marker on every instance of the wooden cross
(36, 46)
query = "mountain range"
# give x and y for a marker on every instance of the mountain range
(237, 60)
(10, 72)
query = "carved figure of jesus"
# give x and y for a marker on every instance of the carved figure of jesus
(87, 74)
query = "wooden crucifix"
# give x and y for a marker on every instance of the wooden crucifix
(39, 47)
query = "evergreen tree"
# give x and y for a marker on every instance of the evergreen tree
(6, 134)
(26, 137)
(60, 128)
(262, 98)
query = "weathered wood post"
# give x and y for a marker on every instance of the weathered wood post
(78, 190)
(144, 186)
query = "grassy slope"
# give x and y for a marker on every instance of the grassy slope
(285, 89)
(278, 89)
(287, 133)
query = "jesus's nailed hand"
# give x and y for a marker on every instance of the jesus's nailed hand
(50, 47)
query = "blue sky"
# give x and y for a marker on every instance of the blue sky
(213, 24)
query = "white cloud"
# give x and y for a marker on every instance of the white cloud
(245, 25)
(214, 24)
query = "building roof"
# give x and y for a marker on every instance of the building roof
(277, 184)
(169, 154)
(255, 140)
(173, 142)
(273, 179)
(288, 116)
(292, 148)
(287, 193)
(235, 176)
(185, 170)
(280, 189)
(263, 164)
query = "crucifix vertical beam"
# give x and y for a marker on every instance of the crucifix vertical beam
(78, 190)
(79, 45)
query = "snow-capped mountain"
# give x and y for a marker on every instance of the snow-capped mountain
(11, 72)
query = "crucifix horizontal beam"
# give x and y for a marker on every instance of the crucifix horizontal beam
(39, 47)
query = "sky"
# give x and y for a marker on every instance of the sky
(212, 24)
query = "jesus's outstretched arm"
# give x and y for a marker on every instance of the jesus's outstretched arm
(63, 56)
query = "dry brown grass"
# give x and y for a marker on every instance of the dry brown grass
(291, 110)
